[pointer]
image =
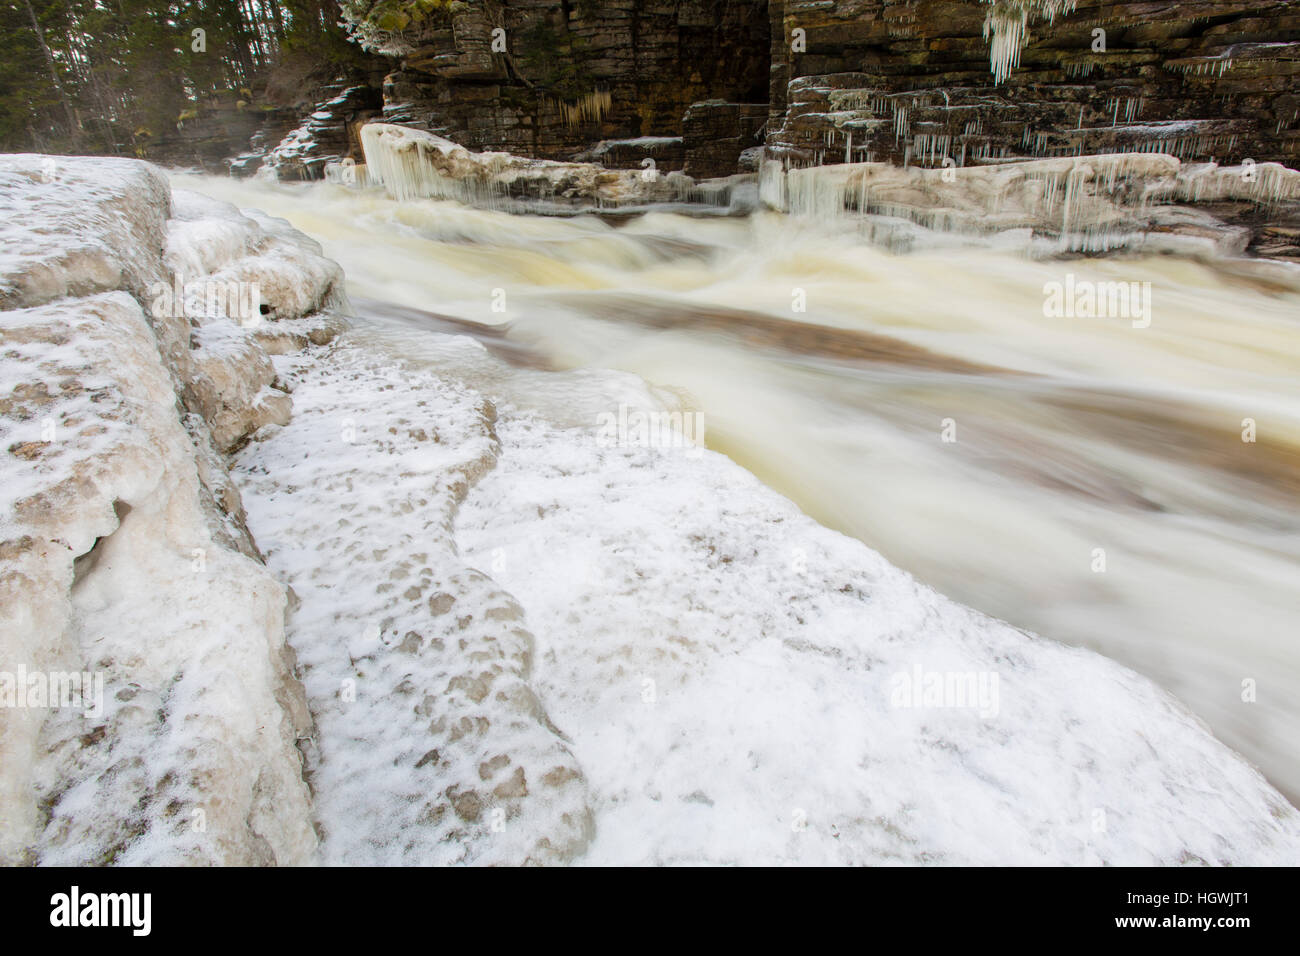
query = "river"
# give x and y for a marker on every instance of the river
(1125, 485)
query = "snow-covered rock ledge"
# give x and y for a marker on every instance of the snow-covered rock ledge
(562, 646)
(411, 163)
(129, 584)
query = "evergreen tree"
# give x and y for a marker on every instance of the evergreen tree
(112, 76)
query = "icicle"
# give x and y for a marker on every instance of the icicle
(1006, 26)
(590, 107)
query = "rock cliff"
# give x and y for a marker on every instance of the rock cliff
(921, 81)
(905, 81)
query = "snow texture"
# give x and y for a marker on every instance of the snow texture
(520, 642)
(732, 681)
(123, 548)
(432, 748)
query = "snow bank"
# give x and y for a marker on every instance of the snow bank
(431, 746)
(727, 681)
(743, 685)
(124, 555)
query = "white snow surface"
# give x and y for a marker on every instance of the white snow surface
(123, 552)
(431, 747)
(719, 669)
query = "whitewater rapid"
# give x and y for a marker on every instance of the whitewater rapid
(1098, 490)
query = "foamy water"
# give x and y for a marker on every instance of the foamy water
(1085, 478)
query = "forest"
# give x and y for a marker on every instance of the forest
(112, 76)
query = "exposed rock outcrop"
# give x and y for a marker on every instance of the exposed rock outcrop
(717, 133)
(918, 81)
(411, 164)
(955, 84)
(665, 153)
(328, 135)
(556, 78)
(908, 82)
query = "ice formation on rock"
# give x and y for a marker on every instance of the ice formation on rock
(1085, 203)
(588, 108)
(1006, 27)
(124, 548)
(413, 164)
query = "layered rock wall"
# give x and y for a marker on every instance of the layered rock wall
(913, 82)
(921, 81)
(564, 76)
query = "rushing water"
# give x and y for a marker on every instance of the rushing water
(1098, 490)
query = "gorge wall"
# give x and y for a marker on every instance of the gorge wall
(913, 81)
(906, 81)
(549, 80)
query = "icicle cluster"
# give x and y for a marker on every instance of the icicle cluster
(1088, 204)
(1006, 26)
(404, 162)
(1264, 183)
(414, 164)
(590, 108)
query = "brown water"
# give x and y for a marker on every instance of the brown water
(1098, 490)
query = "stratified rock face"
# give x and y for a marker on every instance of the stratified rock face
(571, 74)
(919, 82)
(665, 153)
(717, 132)
(924, 81)
(329, 134)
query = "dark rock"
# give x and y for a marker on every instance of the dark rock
(573, 74)
(717, 132)
(909, 81)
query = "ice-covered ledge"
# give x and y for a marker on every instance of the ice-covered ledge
(124, 555)
(411, 163)
(1138, 202)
